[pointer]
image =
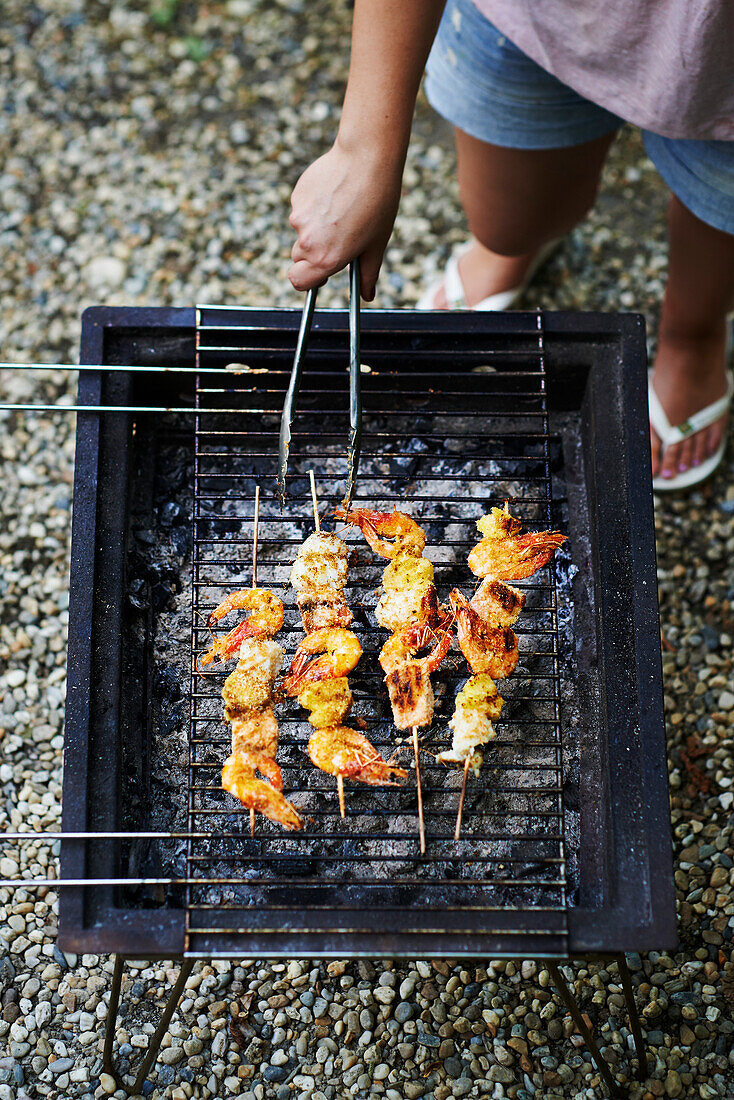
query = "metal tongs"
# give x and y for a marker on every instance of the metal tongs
(355, 397)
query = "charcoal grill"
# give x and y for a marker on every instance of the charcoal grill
(565, 848)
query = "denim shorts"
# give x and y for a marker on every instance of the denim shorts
(483, 84)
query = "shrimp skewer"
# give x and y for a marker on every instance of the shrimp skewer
(409, 608)
(323, 660)
(484, 630)
(486, 648)
(247, 695)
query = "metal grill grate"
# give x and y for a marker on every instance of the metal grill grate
(448, 430)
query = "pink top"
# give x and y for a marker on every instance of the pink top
(664, 65)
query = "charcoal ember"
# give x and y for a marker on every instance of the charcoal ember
(297, 868)
(180, 540)
(146, 536)
(162, 595)
(167, 684)
(139, 594)
(170, 720)
(171, 513)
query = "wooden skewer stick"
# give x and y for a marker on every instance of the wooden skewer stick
(317, 526)
(421, 824)
(457, 830)
(314, 498)
(255, 529)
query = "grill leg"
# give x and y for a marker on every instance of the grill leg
(156, 1038)
(629, 997)
(566, 995)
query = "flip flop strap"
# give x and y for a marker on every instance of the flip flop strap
(453, 286)
(670, 434)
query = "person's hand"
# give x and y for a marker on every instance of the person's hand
(343, 208)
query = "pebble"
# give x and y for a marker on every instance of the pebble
(105, 273)
(275, 1073)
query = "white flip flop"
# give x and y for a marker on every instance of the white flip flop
(668, 435)
(456, 294)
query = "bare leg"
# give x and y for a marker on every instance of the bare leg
(690, 361)
(515, 201)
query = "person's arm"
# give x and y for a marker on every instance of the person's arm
(344, 204)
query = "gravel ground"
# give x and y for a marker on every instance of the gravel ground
(147, 152)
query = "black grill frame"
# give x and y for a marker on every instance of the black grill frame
(594, 361)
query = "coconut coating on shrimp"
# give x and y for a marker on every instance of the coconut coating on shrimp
(257, 730)
(409, 595)
(478, 704)
(322, 562)
(499, 604)
(329, 701)
(323, 607)
(250, 686)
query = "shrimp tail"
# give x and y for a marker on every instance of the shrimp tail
(238, 778)
(266, 765)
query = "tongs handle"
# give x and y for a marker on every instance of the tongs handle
(284, 442)
(355, 385)
(355, 394)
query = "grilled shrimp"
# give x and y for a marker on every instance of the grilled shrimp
(323, 655)
(486, 648)
(238, 777)
(514, 557)
(499, 604)
(339, 750)
(403, 647)
(396, 610)
(266, 608)
(408, 677)
(266, 618)
(388, 533)
(255, 731)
